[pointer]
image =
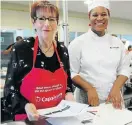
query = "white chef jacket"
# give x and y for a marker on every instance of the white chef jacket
(98, 60)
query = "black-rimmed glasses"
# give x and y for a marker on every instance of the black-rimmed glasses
(43, 19)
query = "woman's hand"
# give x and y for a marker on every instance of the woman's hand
(115, 98)
(31, 112)
(69, 96)
(93, 98)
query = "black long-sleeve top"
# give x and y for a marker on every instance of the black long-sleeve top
(20, 64)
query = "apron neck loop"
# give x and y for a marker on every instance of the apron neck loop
(36, 49)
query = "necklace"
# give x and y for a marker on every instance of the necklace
(47, 49)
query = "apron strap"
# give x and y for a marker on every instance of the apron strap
(61, 64)
(36, 49)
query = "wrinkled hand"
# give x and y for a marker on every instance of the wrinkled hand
(115, 98)
(31, 112)
(93, 98)
(69, 96)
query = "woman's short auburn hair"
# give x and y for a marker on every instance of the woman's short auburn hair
(43, 4)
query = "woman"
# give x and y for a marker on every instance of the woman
(98, 61)
(38, 73)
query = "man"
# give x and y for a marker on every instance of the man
(9, 48)
(130, 53)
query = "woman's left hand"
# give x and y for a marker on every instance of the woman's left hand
(69, 96)
(115, 98)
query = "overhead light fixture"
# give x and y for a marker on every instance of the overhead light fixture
(86, 2)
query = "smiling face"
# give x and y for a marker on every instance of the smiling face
(99, 19)
(45, 23)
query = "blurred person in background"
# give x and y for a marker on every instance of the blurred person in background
(9, 48)
(130, 54)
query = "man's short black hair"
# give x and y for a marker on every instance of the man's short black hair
(18, 38)
(129, 47)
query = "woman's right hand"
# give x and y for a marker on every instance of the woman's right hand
(31, 111)
(93, 98)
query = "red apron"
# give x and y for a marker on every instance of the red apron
(43, 88)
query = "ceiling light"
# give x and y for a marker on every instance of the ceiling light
(86, 2)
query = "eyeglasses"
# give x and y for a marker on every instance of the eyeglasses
(43, 19)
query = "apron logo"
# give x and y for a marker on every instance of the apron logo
(52, 98)
(38, 99)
